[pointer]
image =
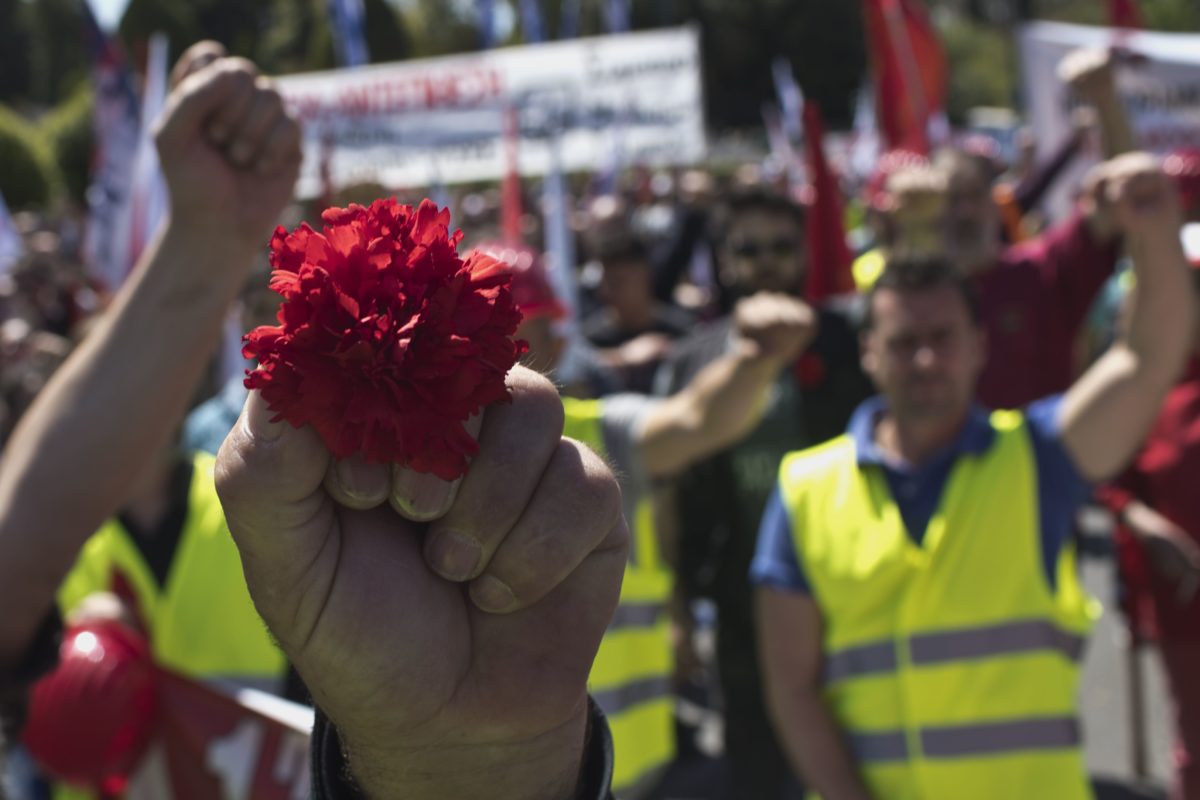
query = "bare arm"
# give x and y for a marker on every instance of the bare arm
(726, 399)
(113, 406)
(1172, 554)
(1092, 74)
(789, 636)
(1108, 411)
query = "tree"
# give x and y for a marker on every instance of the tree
(67, 131)
(740, 38)
(14, 50)
(56, 56)
(27, 177)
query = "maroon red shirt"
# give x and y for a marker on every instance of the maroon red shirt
(1164, 477)
(1033, 303)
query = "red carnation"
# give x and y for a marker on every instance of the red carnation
(388, 340)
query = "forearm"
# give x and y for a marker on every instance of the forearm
(1116, 133)
(724, 402)
(1163, 316)
(816, 748)
(105, 415)
(1107, 413)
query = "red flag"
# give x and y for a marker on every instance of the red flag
(909, 68)
(829, 259)
(510, 191)
(1124, 14)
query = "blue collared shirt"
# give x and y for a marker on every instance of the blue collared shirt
(917, 489)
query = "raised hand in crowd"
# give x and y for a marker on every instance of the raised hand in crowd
(1171, 552)
(1091, 73)
(438, 688)
(1107, 413)
(726, 399)
(230, 156)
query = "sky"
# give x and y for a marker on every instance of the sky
(108, 12)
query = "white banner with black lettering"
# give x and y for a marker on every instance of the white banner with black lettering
(417, 123)
(1160, 87)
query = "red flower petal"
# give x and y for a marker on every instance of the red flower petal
(387, 339)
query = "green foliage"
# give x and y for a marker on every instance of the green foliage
(439, 28)
(983, 68)
(56, 56)
(740, 38)
(27, 177)
(1172, 15)
(67, 131)
(14, 48)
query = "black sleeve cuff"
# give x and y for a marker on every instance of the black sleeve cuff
(39, 659)
(331, 778)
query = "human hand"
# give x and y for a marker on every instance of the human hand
(451, 656)
(229, 151)
(916, 210)
(1089, 72)
(645, 348)
(774, 327)
(1131, 196)
(1172, 555)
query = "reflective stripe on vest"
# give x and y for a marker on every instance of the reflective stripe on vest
(982, 739)
(631, 675)
(1007, 638)
(951, 665)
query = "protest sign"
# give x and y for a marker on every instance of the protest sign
(416, 123)
(1160, 87)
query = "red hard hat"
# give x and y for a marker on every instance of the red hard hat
(531, 288)
(91, 719)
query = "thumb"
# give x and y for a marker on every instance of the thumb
(269, 478)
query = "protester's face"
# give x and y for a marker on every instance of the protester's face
(972, 221)
(923, 352)
(545, 346)
(764, 251)
(626, 285)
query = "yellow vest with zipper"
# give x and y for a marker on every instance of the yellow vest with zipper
(631, 676)
(950, 666)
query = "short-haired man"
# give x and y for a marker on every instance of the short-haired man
(919, 616)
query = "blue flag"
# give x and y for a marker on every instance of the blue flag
(346, 19)
(531, 21)
(568, 23)
(487, 23)
(616, 13)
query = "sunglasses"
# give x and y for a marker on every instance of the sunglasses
(753, 249)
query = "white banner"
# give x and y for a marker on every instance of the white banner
(417, 123)
(1161, 92)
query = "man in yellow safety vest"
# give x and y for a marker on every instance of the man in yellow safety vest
(919, 614)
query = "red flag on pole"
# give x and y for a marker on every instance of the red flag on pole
(909, 68)
(829, 259)
(510, 191)
(1124, 14)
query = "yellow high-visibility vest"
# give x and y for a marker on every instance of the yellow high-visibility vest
(201, 623)
(951, 666)
(631, 676)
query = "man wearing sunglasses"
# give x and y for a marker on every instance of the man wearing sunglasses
(760, 246)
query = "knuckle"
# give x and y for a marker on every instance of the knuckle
(537, 398)
(242, 66)
(597, 486)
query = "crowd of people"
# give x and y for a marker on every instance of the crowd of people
(877, 492)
